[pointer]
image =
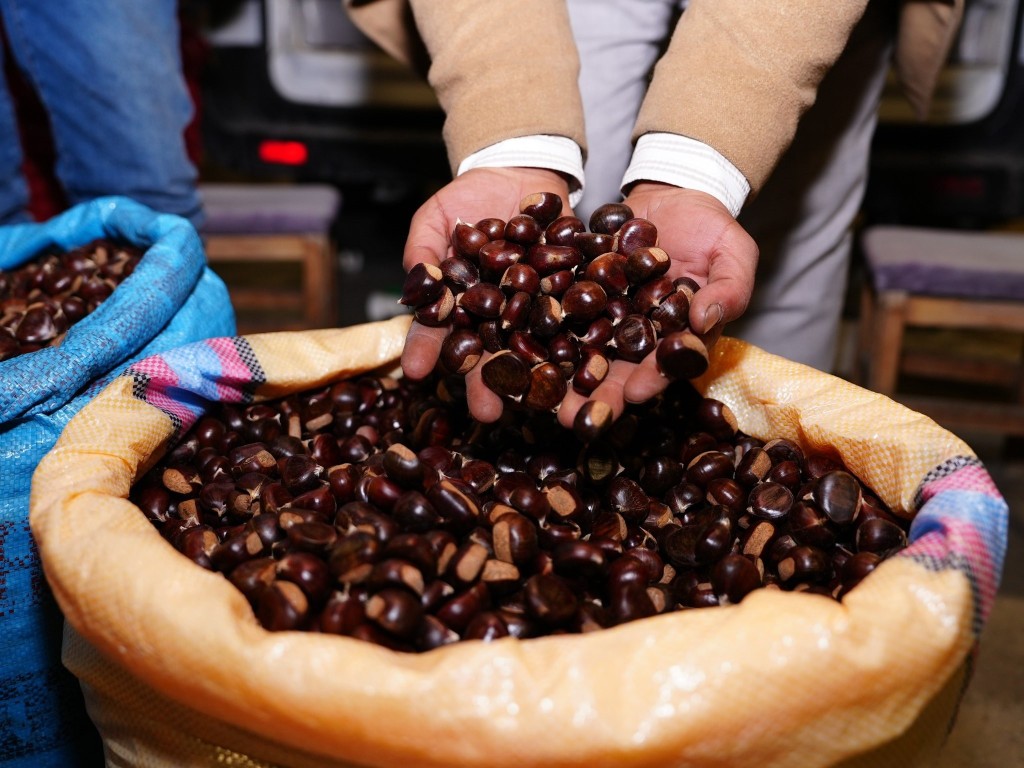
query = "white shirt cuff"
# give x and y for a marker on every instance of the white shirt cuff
(685, 162)
(556, 153)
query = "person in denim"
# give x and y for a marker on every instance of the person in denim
(109, 75)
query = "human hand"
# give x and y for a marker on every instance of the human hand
(475, 195)
(706, 244)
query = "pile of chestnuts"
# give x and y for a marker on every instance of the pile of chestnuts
(376, 508)
(42, 298)
(555, 303)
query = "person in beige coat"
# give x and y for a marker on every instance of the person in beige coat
(721, 110)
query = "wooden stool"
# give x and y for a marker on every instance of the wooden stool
(251, 229)
(944, 280)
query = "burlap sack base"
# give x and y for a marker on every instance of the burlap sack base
(780, 680)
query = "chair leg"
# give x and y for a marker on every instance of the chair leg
(865, 331)
(318, 282)
(889, 326)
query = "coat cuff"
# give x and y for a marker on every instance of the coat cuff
(556, 153)
(685, 162)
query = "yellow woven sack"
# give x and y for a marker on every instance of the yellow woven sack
(177, 671)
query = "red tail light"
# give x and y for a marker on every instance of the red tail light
(284, 152)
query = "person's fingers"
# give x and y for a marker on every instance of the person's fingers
(428, 239)
(711, 338)
(609, 391)
(645, 381)
(730, 282)
(484, 405)
(571, 404)
(717, 303)
(422, 348)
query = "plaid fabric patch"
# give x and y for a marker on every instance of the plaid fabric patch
(961, 524)
(181, 381)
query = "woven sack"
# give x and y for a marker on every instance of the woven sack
(178, 672)
(171, 299)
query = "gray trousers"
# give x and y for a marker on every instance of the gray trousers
(802, 219)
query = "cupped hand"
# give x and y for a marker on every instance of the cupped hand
(475, 195)
(706, 244)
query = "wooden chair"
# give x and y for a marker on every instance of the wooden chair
(944, 279)
(255, 233)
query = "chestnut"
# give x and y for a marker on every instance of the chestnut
(547, 387)
(716, 418)
(496, 256)
(593, 244)
(515, 314)
(544, 207)
(459, 273)
(520, 277)
(618, 307)
(423, 285)
(396, 611)
(493, 227)
(634, 338)
(635, 234)
(281, 606)
(547, 259)
(564, 351)
(549, 599)
(734, 577)
(527, 347)
(682, 355)
(607, 219)
(557, 283)
(592, 419)
(598, 334)
(609, 271)
(584, 300)
(436, 313)
(805, 564)
(461, 351)
(468, 240)
(545, 317)
(646, 263)
(672, 313)
(650, 294)
(483, 300)
(523, 229)
(563, 231)
(754, 467)
(770, 500)
(592, 370)
(880, 536)
(838, 494)
(491, 335)
(506, 374)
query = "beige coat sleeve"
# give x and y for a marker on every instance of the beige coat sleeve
(739, 74)
(500, 69)
(926, 34)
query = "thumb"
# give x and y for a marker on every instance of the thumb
(428, 239)
(730, 283)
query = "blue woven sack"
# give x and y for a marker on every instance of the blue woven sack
(172, 298)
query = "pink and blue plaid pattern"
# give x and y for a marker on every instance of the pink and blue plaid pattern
(962, 523)
(183, 381)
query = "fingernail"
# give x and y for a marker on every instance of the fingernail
(713, 316)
